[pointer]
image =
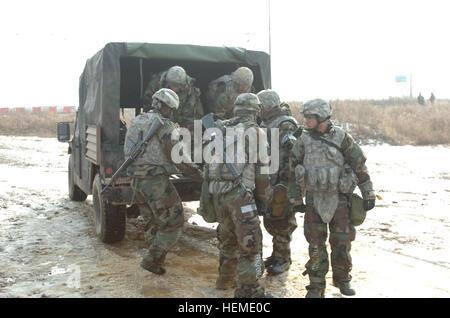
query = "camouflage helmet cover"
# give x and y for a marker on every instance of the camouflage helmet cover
(269, 98)
(168, 97)
(247, 101)
(243, 76)
(176, 76)
(317, 107)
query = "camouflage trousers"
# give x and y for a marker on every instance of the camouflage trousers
(161, 207)
(342, 233)
(240, 244)
(281, 229)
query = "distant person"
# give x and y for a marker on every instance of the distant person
(432, 99)
(222, 92)
(176, 79)
(421, 99)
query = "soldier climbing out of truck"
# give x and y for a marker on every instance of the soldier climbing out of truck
(157, 198)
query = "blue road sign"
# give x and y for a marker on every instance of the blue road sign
(401, 78)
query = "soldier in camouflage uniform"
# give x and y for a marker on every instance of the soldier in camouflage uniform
(222, 92)
(329, 164)
(279, 220)
(156, 196)
(175, 78)
(239, 232)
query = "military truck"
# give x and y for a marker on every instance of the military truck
(114, 80)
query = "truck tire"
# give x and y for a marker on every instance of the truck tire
(75, 193)
(109, 220)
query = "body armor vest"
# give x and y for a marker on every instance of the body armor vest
(221, 178)
(324, 165)
(154, 154)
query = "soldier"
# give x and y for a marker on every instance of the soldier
(279, 220)
(157, 198)
(222, 92)
(236, 206)
(421, 99)
(329, 164)
(432, 98)
(176, 79)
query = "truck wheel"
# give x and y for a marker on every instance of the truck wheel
(75, 193)
(109, 220)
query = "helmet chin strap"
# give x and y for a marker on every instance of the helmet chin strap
(315, 128)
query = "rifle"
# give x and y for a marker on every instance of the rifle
(208, 122)
(138, 150)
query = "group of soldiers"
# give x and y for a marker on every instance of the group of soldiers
(319, 162)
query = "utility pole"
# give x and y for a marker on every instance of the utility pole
(270, 36)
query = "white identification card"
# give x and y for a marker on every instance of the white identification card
(248, 208)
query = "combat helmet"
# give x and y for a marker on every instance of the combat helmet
(318, 108)
(243, 76)
(166, 96)
(176, 76)
(248, 102)
(269, 98)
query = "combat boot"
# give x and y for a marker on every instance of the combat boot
(225, 282)
(269, 261)
(279, 266)
(345, 288)
(315, 293)
(154, 264)
(316, 287)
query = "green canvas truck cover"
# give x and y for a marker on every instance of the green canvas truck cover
(117, 75)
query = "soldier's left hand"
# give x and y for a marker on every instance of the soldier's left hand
(368, 204)
(369, 199)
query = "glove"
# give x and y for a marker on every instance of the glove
(368, 195)
(368, 204)
(198, 176)
(300, 208)
(193, 171)
(298, 205)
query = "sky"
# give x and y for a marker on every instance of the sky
(319, 49)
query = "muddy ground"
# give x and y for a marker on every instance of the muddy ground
(47, 241)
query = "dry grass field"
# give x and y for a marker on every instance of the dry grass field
(396, 124)
(33, 124)
(393, 121)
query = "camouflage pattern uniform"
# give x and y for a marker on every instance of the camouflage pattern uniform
(223, 91)
(279, 220)
(239, 232)
(158, 200)
(329, 174)
(190, 108)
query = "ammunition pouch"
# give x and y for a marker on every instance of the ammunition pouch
(279, 201)
(206, 207)
(357, 212)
